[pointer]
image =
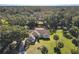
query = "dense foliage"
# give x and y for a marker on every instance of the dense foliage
(16, 22)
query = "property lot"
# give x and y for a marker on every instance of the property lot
(50, 44)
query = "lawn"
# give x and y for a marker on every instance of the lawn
(50, 44)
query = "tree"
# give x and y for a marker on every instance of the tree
(74, 32)
(44, 50)
(4, 22)
(60, 44)
(32, 24)
(56, 38)
(10, 34)
(75, 21)
(57, 50)
(67, 34)
(65, 28)
(74, 41)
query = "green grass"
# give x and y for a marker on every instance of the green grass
(50, 44)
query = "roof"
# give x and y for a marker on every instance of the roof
(14, 42)
(42, 31)
(36, 33)
(40, 22)
(39, 28)
(32, 38)
(39, 32)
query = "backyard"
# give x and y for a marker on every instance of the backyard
(50, 44)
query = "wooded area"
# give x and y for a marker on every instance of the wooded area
(54, 29)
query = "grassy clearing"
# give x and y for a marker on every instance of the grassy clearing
(50, 44)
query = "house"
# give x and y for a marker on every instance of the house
(41, 33)
(32, 38)
(36, 33)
